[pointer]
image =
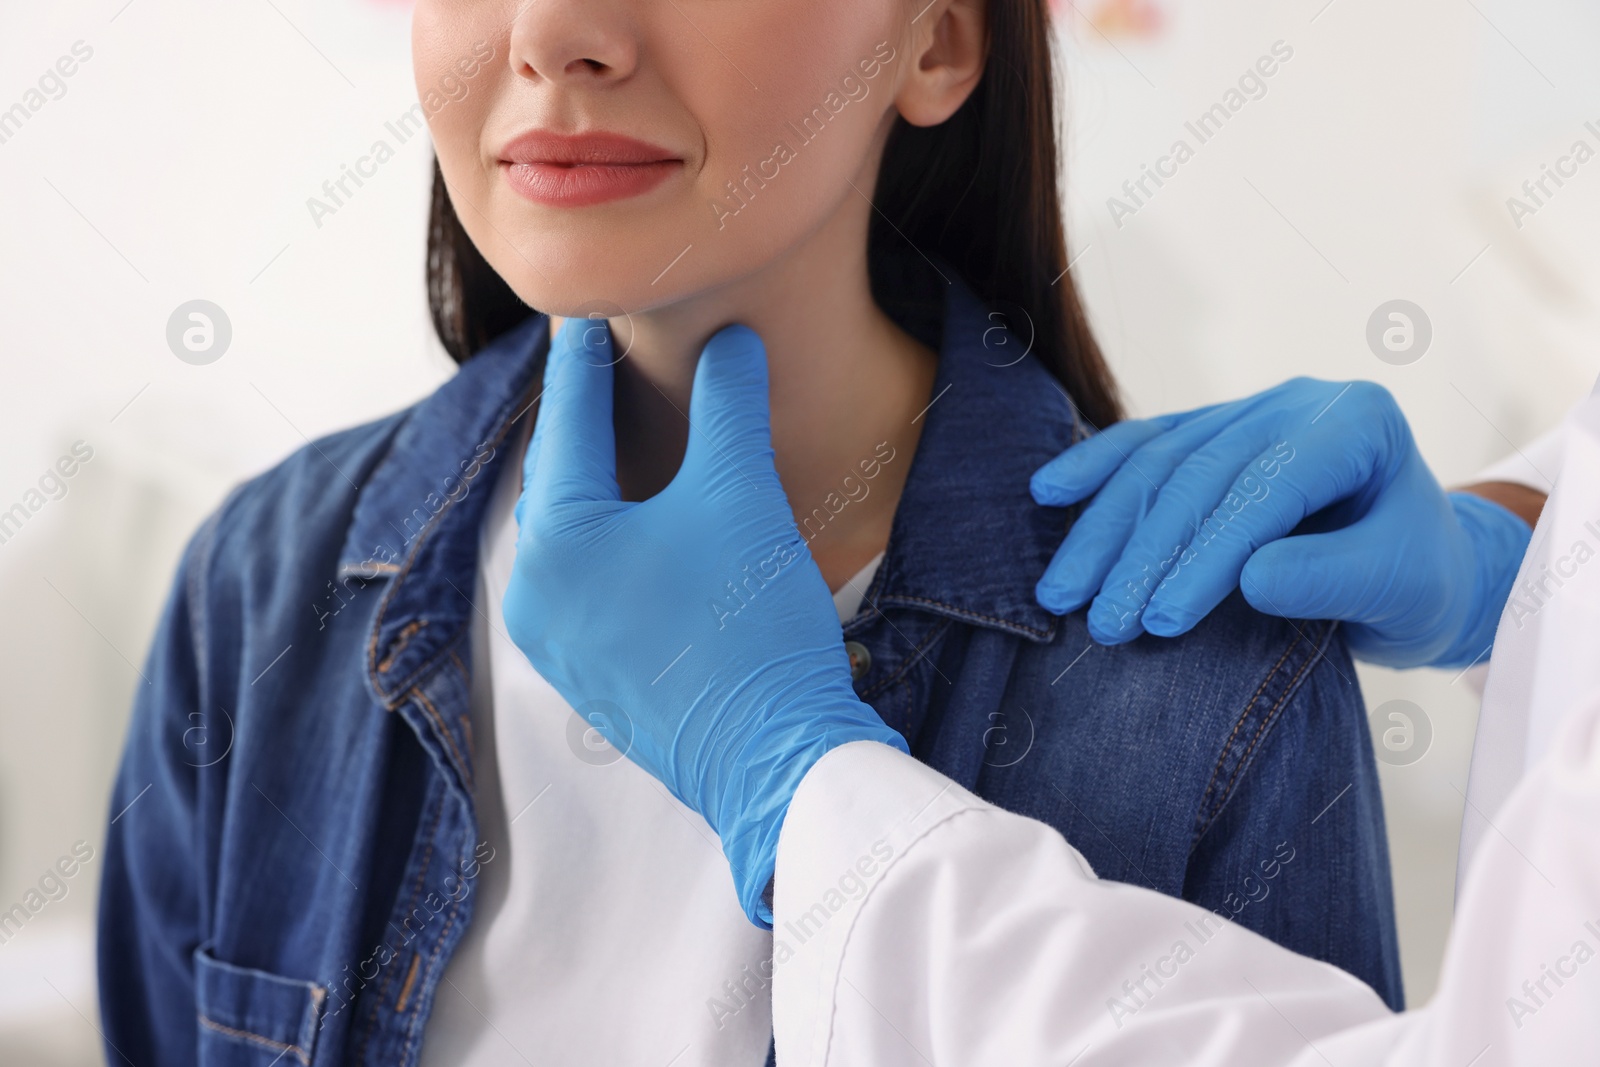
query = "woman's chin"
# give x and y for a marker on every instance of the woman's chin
(634, 255)
(612, 283)
(589, 296)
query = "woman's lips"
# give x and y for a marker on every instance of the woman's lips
(567, 170)
(582, 184)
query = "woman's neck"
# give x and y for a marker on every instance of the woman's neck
(847, 388)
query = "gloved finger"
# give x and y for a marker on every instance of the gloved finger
(1190, 543)
(1314, 576)
(1099, 535)
(1079, 567)
(730, 427)
(530, 455)
(1278, 489)
(1378, 570)
(1084, 468)
(573, 454)
(1196, 490)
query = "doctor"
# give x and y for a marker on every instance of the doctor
(914, 923)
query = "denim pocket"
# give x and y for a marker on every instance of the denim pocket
(249, 1018)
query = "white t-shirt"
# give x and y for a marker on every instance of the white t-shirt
(606, 929)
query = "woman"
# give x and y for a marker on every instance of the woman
(410, 849)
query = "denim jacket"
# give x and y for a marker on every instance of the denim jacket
(293, 849)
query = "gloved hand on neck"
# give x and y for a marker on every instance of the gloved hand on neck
(693, 630)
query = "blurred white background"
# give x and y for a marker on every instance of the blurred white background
(177, 162)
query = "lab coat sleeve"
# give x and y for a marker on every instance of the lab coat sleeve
(1536, 466)
(917, 924)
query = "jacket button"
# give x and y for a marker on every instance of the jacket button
(860, 659)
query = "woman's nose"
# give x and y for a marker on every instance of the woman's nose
(574, 42)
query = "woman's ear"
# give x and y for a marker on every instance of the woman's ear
(949, 49)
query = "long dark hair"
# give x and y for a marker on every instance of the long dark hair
(979, 191)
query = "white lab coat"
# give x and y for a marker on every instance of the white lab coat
(917, 924)
(1545, 649)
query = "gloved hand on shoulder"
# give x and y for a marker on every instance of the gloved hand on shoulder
(1189, 506)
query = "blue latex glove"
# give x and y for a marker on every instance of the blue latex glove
(693, 630)
(1187, 507)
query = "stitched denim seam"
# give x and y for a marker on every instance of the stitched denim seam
(913, 660)
(1227, 745)
(1266, 721)
(462, 766)
(308, 1032)
(406, 687)
(974, 616)
(416, 1013)
(402, 639)
(404, 571)
(1290, 689)
(466, 681)
(257, 1039)
(404, 998)
(416, 894)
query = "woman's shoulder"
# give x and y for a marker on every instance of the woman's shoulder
(261, 558)
(305, 501)
(1195, 712)
(1234, 663)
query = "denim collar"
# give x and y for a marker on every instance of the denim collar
(967, 540)
(416, 520)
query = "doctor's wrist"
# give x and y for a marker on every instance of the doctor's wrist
(1525, 502)
(775, 759)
